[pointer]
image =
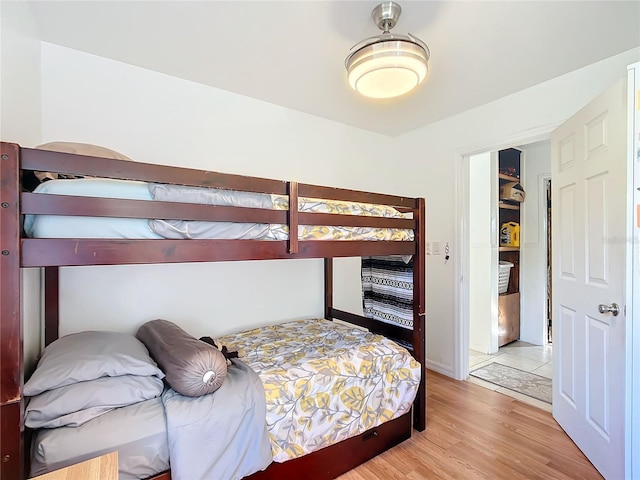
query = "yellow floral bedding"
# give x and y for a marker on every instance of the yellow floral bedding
(281, 202)
(325, 381)
(317, 232)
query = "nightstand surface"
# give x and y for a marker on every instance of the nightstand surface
(104, 467)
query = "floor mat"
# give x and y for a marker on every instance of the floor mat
(517, 380)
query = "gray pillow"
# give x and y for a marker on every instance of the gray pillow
(75, 404)
(78, 149)
(84, 356)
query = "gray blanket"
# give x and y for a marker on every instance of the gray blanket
(223, 435)
(210, 196)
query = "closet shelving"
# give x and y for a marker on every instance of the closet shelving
(509, 168)
(507, 205)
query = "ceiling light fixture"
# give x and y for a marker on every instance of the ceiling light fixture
(387, 65)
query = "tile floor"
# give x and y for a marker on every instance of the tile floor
(525, 356)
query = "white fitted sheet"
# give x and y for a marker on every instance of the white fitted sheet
(58, 226)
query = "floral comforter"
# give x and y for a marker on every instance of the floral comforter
(325, 381)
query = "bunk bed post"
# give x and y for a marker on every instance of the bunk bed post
(292, 190)
(419, 319)
(51, 304)
(328, 288)
(11, 357)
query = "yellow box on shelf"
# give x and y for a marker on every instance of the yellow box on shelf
(510, 234)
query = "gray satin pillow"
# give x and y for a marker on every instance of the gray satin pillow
(85, 356)
(75, 404)
(193, 367)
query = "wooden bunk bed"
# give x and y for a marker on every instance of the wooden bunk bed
(18, 251)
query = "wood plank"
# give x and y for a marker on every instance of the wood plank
(317, 191)
(48, 161)
(45, 204)
(292, 217)
(104, 467)
(419, 319)
(51, 304)
(11, 350)
(40, 252)
(331, 461)
(508, 206)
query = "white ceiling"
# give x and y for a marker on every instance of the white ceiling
(291, 53)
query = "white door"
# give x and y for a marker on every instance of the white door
(589, 178)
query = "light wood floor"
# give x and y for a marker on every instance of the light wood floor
(475, 433)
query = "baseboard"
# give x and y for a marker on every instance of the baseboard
(440, 368)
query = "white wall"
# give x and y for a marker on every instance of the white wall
(536, 170)
(434, 154)
(20, 122)
(482, 239)
(156, 118)
(19, 75)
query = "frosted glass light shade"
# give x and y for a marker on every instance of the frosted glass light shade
(387, 69)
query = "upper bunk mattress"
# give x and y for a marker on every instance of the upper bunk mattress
(59, 226)
(325, 381)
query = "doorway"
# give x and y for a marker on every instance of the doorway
(529, 356)
(534, 262)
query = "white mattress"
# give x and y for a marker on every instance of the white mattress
(138, 432)
(58, 226)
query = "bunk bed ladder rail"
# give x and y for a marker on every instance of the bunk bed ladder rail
(419, 315)
(11, 358)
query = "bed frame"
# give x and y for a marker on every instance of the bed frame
(18, 252)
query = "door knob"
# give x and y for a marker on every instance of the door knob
(613, 309)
